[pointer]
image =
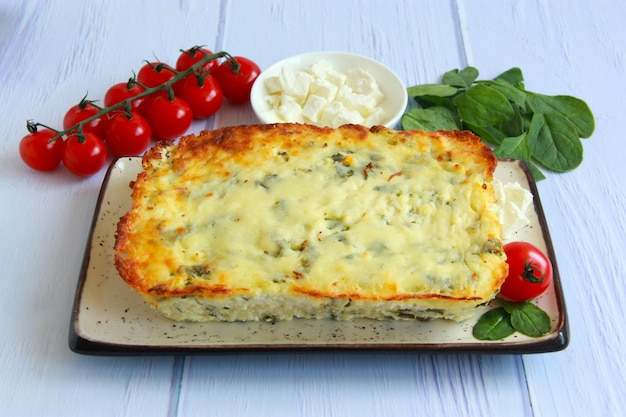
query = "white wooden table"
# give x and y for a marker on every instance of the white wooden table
(53, 52)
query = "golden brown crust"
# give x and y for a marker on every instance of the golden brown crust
(224, 152)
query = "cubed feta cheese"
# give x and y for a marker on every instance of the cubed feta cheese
(375, 118)
(313, 108)
(324, 88)
(273, 100)
(322, 95)
(336, 114)
(273, 85)
(295, 83)
(336, 77)
(289, 109)
(514, 202)
(320, 68)
(365, 105)
(362, 82)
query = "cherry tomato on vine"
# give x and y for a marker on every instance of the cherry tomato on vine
(236, 83)
(203, 94)
(120, 92)
(128, 135)
(169, 119)
(193, 55)
(530, 272)
(82, 111)
(154, 74)
(87, 158)
(39, 153)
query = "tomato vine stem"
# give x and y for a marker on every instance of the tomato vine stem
(125, 105)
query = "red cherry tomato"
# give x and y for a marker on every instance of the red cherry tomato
(154, 74)
(193, 55)
(169, 119)
(128, 135)
(530, 272)
(84, 159)
(236, 81)
(120, 92)
(203, 95)
(82, 111)
(39, 153)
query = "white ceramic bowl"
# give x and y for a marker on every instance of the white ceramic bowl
(394, 104)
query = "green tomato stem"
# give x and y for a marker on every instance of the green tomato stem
(126, 104)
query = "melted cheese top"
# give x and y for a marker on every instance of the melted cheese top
(332, 213)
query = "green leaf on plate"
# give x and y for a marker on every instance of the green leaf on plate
(528, 319)
(495, 324)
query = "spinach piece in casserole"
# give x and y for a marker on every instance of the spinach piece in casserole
(543, 130)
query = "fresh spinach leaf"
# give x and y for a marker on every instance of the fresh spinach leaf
(489, 134)
(516, 147)
(462, 79)
(517, 124)
(438, 90)
(528, 319)
(501, 322)
(432, 118)
(495, 324)
(521, 124)
(512, 93)
(557, 146)
(428, 101)
(512, 76)
(483, 106)
(571, 108)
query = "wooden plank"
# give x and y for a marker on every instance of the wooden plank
(55, 52)
(573, 48)
(327, 384)
(52, 54)
(419, 40)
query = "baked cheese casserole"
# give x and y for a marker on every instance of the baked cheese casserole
(274, 222)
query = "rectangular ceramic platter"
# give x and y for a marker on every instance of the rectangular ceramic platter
(110, 318)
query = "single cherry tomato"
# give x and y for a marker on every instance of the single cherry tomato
(236, 80)
(169, 119)
(39, 153)
(191, 56)
(121, 91)
(82, 111)
(530, 272)
(86, 158)
(128, 135)
(203, 94)
(154, 74)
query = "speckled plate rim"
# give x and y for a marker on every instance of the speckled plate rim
(87, 309)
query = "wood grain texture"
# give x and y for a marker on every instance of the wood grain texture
(53, 52)
(408, 37)
(328, 384)
(575, 48)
